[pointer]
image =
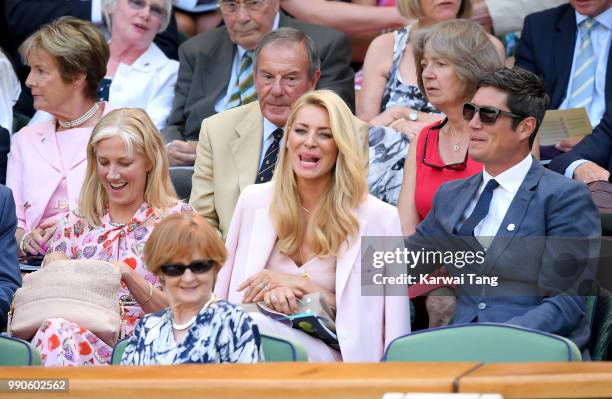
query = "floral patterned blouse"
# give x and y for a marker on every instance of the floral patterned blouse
(221, 333)
(75, 237)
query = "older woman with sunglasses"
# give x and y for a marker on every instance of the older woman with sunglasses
(186, 254)
(450, 57)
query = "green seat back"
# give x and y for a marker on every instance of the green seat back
(17, 352)
(118, 351)
(483, 342)
(278, 349)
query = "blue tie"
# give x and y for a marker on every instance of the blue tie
(480, 211)
(269, 162)
(583, 80)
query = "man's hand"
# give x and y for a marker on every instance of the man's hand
(567, 145)
(181, 153)
(589, 172)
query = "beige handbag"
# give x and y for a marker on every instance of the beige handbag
(85, 292)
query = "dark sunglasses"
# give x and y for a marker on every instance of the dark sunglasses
(454, 166)
(487, 114)
(156, 10)
(196, 267)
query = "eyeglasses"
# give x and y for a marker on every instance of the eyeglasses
(454, 166)
(155, 9)
(231, 7)
(196, 267)
(487, 114)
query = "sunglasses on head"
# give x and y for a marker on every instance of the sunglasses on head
(487, 114)
(156, 10)
(196, 267)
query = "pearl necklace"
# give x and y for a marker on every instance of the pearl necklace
(81, 119)
(181, 327)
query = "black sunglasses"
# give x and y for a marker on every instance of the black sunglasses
(454, 166)
(487, 114)
(196, 267)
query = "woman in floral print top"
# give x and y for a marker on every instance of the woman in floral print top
(127, 191)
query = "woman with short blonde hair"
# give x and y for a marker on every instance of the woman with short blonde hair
(300, 234)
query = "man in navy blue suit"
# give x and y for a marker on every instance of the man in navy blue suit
(516, 212)
(591, 159)
(10, 277)
(566, 45)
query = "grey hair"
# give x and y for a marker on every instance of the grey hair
(291, 35)
(108, 7)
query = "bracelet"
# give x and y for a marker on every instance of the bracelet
(22, 242)
(150, 294)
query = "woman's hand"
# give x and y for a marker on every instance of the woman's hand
(408, 128)
(390, 115)
(35, 242)
(259, 283)
(283, 299)
(52, 257)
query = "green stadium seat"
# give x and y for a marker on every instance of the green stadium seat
(17, 352)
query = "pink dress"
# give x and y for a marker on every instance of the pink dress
(321, 271)
(62, 343)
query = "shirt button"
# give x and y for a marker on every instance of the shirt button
(482, 306)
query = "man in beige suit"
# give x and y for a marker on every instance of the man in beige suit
(234, 144)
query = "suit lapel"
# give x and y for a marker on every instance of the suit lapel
(564, 43)
(246, 147)
(261, 243)
(46, 145)
(216, 79)
(348, 253)
(460, 202)
(515, 214)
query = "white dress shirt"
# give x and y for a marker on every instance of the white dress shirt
(10, 88)
(509, 183)
(600, 37)
(223, 100)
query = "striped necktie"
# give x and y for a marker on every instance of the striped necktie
(583, 80)
(244, 90)
(269, 162)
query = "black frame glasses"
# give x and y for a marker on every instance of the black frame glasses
(231, 7)
(197, 267)
(453, 166)
(488, 115)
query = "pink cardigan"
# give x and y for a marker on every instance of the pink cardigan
(365, 324)
(35, 170)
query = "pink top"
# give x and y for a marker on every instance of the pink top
(322, 271)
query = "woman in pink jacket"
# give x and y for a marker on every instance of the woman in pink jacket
(301, 234)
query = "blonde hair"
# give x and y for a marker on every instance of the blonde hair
(462, 43)
(135, 128)
(333, 219)
(109, 6)
(178, 236)
(77, 46)
(411, 9)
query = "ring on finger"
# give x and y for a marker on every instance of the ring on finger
(261, 285)
(273, 298)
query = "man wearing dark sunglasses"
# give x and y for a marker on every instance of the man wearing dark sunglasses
(512, 199)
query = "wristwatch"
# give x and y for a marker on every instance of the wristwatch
(413, 116)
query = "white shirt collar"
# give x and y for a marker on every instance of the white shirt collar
(268, 128)
(511, 179)
(605, 18)
(242, 50)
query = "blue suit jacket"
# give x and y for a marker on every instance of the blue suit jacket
(546, 48)
(10, 276)
(545, 205)
(596, 147)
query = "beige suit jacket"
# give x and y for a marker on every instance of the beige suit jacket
(227, 161)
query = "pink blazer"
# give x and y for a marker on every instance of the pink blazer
(35, 169)
(365, 324)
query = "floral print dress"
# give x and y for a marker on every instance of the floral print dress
(63, 343)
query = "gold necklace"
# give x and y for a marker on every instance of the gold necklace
(457, 145)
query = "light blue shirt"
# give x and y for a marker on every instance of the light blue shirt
(267, 139)
(223, 100)
(600, 37)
